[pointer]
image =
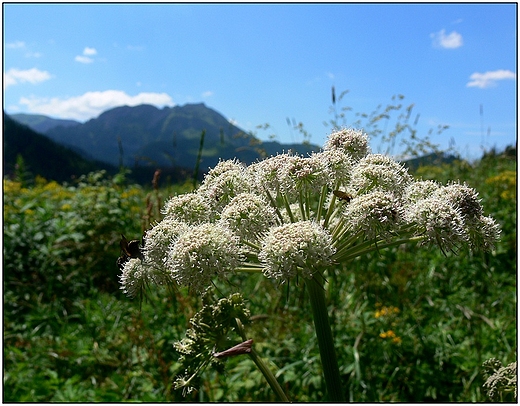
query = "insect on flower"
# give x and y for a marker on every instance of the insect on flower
(342, 196)
(129, 249)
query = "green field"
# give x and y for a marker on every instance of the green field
(410, 324)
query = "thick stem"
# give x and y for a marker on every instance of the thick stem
(325, 342)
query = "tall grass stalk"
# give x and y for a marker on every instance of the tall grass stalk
(199, 157)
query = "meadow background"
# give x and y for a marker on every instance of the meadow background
(410, 324)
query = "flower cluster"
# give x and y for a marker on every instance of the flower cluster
(289, 216)
(211, 331)
(500, 380)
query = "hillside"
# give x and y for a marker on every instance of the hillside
(40, 123)
(43, 156)
(146, 136)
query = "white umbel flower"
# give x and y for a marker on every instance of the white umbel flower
(376, 214)
(158, 240)
(439, 222)
(134, 277)
(352, 142)
(248, 216)
(202, 252)
(227, 180)
(302, 247)
(191, 208)
(379, 172)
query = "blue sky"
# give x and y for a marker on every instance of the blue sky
(267, 63)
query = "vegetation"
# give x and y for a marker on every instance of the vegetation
(410, 325)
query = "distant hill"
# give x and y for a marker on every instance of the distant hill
(43, 156)
(435, 158)
(146, 136)
(40, 123)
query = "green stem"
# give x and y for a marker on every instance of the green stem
(269, 376)
(262, 366)
(325, 341)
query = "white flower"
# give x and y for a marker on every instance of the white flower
(224, 182)
(271, 173)
(191, 208)
(248, 215)
(339, 166)
(462, 197)
(377, 214)
(378, 171)
(418, 190)
(483, 233)
(306, 175)
(134, 277)
(354, 143)
(158, 240)
(302, 247)
(223, 167)
(438, 221)
(201, 253)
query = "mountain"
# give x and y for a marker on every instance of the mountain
(433, 159)
(40, 123)
(43, 156)
(146, 136)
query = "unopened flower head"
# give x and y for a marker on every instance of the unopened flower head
(376, 214)
(201, 253)
(301, 247)
(230, 308)
(248, 215)
(354, 143)
(191, 208)
(378, 171)
(500, 380)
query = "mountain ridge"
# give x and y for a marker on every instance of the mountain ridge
(148, 136)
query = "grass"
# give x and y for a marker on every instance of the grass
(410, 325)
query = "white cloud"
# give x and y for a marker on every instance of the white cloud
(209, 93)
(16, 44)
(92, 104)
(489, 79)
(33, 55)
(21, 45)
(16, 76)
(83, 59)
(89, 51)
(450, 41)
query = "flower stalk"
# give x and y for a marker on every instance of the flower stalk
(325, 341)
(262, 366)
